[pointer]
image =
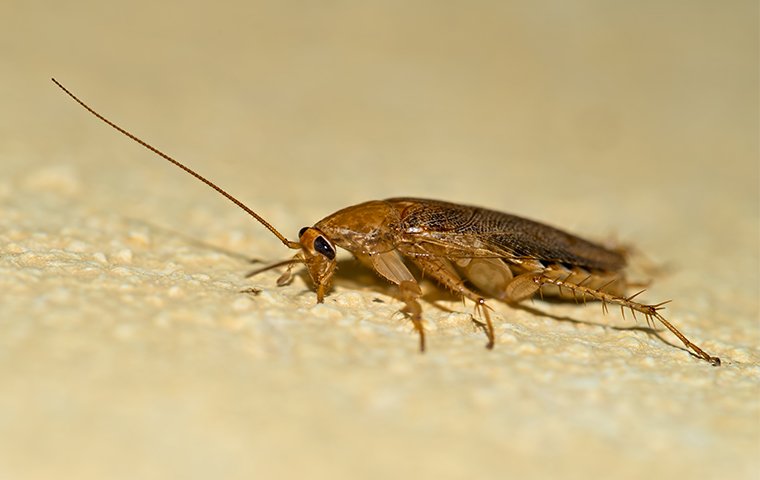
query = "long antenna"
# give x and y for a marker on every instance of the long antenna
(288, 243)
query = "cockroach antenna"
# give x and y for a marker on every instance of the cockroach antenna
(285, 241)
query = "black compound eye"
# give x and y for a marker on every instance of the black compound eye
(300, 232)
(323, 246)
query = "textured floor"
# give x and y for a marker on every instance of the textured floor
(128, 351)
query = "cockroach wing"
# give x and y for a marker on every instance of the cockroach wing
(453, 230)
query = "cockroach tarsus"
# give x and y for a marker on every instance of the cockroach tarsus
(474, 252)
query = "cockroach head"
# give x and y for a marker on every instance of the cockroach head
(319, 257)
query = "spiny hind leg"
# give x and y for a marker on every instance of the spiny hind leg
(444, 273)
(581, 290)
(525, 285)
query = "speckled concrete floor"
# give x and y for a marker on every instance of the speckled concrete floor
(128, 351)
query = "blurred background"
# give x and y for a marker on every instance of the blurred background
(500, 103)
(628, 121)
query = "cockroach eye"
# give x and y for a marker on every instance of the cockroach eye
(323, 246)
(300, 232)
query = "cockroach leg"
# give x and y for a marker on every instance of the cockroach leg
(649, 311)
(488, 275)
(444, 273)
(480, 306)
(290, 263)
(522, 287)
(389, 265)
(409, 293)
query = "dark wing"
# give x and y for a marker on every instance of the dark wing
(473, 231)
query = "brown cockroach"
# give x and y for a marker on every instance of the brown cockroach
(473, 252)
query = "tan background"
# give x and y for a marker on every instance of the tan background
(126, 350)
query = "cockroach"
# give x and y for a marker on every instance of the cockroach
(473, 252)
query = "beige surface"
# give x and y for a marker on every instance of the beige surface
(126, 350)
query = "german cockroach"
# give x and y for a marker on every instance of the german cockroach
(473, 252)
